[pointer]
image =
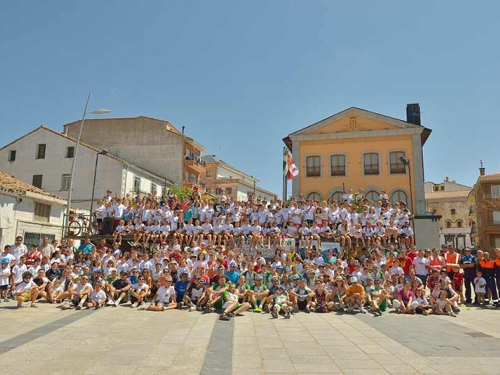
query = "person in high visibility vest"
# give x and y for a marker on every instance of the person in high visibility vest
(452, 259)
(436, 262)
(497, 273)
(487, 266)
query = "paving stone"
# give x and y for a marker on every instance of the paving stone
(278, 366)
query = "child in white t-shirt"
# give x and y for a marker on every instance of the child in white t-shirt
(480, 286)
(4, 279)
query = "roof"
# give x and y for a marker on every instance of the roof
(91, 148)
(12, 186)
(447, 194)
(170, 127)
(212, 159)
(361, 112)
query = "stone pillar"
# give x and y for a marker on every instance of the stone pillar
(417, 167)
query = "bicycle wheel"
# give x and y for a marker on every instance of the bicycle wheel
(74, 228)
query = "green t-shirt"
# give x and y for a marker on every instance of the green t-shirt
(280, 298)
(259, 289)
(217, 286)
(243, 288)
(228, 296)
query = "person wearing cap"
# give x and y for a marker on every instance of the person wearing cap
(258, 294)
(26, 290)
(379, 297)
(181, 286)
(139, 291)
(120, 289)
(195, 296)
(97, 297)
(4, 279)
(232, 274)
(164, 298)
(215, 293)
(321, 302)
(81, 291)
(468, 265)
(230, 303)
(301, 296)
(355, 296)
(280, 303)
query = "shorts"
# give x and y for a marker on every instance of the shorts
(457, 287)
(228, 303)
(164, 304)
(383, 305)
(302, 305)
(4, 287)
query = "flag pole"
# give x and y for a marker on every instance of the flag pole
(284, 175)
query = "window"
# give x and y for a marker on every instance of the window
(153, 188)
(398, 196)
(448, 224)
(397, 166)
(137, 184)
(42, 212)
(435, 188)
(372, 195)
(208, 174)
(65, 182)
(453, 211)
(218, 191)
(209, 191)
(229, 190)
(337, 163)
(12, 155)
(70, 152)
(40, 151)
(337, 196)
(371, 163)
(496, 217)
(442, 188)
(495, 189)
(460, 224)
(314, 197)
(313, 166)
(37, 180)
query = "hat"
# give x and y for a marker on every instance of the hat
(339, 278)
(173, 261)
(98, 270)
(233, 264)
(258, 277)
(443, 246)
(353, 279)
(435, 270)
(187, 248)
(184, 273)
(5, 260)
(164, 259)
(311, 271)
(466, 249)
(279, 267)
(281, 287)
(274, 278)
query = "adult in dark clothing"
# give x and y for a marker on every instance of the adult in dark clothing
(468, 264)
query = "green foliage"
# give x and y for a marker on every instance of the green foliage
(181, 192)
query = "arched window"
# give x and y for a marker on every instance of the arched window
(460, 224)
(398, 196)
(372, 195)
(337, 163)
(313, 166)
(397, 166)
(371, 163)
(313, 196)
(448, 224)
(337, 196)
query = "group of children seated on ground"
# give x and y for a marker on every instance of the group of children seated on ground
(353, 221)
(209, 278)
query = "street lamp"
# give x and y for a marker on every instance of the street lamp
(103, 152)
(70, 192)
(406, 162)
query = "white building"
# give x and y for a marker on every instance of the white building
(44, 157)
(222, 178)
(28, 211)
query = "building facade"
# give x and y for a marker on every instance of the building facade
(221, 178)
(450, 200)
(486, 194)
(153, 144)
(356, 149)
(44, 157)
(28, 211)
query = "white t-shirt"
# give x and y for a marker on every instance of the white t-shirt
(25, 286)
(5, 274)
(99, 296)
(420, 265)
(17, 251)
(165, 294)
(18, 271)
(9, 256)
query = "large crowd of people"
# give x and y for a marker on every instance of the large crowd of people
(201, 255)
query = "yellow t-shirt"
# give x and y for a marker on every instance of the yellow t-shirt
(355, 288)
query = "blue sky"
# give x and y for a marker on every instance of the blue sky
(241, 75)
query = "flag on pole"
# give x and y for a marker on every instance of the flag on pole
(289, 167)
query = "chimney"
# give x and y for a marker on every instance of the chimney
(413, 113)
(446, 179)
(481, 169)
(183, 127)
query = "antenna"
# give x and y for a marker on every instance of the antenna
(481, 162)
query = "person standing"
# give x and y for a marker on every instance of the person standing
(19, 249)
(452, 259)
(487, 265)
(421, 264)
(497, 272)
(46, 248)
(468, 264)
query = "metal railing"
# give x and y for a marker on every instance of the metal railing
(196, 159)
(79, 225)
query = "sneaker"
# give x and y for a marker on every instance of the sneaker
(425, 313)
(208, 308)
(117, 303)
(308, 310)
(378, 311)
(78, 307)
(66, 306)
(274, 314)
(192, 308)
(456, 310)
(350, 310)
(296, 309)
(451, 313)
(142, 307)
(224, 317)
(257, 310)
(362, 310)
(287, 315)
(34, 306)
(134, 305)
(266, 308)
(110, 302)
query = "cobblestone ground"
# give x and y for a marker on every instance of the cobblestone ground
(124, 341)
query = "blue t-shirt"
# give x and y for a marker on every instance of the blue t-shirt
(233, 276)
(86, 249)
(180, 289)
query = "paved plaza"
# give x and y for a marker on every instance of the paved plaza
(124, 341)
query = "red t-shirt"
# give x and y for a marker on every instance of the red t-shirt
(458, 278)
(405, 263)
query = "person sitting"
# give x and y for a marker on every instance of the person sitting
(355, 296)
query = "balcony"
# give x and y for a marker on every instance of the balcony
(194, 162)
(491, 196)
(191, 185)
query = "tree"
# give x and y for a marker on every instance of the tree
(181, 192)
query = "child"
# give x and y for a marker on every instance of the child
(480, 286)
(97, 297)
(458, 282)
(280, 303)
(442, 306)
(4, 279)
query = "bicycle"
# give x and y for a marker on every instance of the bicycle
(83, 226)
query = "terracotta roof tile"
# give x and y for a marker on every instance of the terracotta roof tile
(11, 185)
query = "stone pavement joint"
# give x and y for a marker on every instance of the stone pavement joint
(218, 358)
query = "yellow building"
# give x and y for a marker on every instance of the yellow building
(361, 149)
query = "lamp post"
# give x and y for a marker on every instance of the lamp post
(103, 152)
(70, 192)
(406, 162)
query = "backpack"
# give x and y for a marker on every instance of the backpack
(322, 307)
